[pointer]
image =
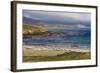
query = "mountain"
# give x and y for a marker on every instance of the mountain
(30, 20)
(52, 21)
(30, 29)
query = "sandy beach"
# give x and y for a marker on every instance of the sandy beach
(48, 51)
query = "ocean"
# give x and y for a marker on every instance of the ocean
(70, 39)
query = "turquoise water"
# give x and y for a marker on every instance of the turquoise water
(68, 41)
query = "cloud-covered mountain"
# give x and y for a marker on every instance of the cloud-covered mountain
(58, 20)
(58, 17)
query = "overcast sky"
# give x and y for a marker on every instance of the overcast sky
(60, 19)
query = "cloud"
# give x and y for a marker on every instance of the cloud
(58, 17)
(81, 26)
(67, 27)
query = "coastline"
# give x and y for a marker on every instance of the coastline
(44, 53)
(77, 49)
(48, 51)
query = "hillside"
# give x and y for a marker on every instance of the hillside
(38, 31)
(30, 29)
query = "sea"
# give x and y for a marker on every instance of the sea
(70, 39)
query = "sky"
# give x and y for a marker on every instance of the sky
(54, 20)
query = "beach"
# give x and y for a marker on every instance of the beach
(45, 53)
(32, 50)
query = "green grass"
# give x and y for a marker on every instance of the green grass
(36, 29)
(62, 57)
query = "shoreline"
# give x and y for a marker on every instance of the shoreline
(41, 53)
(76, 49)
